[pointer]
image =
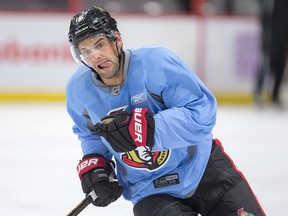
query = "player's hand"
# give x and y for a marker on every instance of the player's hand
(94, 174)
(125, 131)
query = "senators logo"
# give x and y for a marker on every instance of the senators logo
(241, 212)
(143, 158)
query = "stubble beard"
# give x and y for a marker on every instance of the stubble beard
(113, 74)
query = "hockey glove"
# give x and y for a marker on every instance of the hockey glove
(125, 131)
(94, 172)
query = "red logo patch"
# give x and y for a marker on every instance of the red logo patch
(143, 158)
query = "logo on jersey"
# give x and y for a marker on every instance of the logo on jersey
(136, 99)
(241, 212)
(143, 158)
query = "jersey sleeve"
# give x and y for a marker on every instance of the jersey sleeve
(191, 108)
(90, 141)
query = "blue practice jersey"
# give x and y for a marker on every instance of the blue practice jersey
(185, 114)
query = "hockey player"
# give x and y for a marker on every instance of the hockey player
(147, 111)
(274, 42)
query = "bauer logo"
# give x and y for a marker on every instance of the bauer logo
(136, 99)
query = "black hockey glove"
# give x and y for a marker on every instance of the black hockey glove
(125, 131)
(94, 172)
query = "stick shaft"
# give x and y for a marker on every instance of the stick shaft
(83, 204)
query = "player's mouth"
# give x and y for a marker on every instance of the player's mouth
(104, 65)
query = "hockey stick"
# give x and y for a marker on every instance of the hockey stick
(83, 204)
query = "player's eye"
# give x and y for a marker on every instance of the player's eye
(85, 52)
(100, 45)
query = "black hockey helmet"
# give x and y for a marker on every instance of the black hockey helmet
(93, 21)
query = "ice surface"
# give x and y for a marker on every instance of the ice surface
(39, 154)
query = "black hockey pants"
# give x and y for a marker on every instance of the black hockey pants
(223, 191)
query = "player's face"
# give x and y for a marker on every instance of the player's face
(101, 54)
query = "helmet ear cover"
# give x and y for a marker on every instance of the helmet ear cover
(111, 36)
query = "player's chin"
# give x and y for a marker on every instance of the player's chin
(102, 73)
(106, 75)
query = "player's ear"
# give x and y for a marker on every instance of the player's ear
(118, 38)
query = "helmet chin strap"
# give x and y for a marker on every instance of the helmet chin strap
(120, 53)
(92, 69)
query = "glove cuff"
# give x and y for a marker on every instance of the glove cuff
(89, 163)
